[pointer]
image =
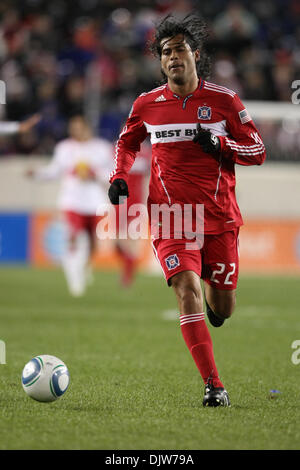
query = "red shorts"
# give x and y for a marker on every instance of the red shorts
(217, 262)
(79, 222)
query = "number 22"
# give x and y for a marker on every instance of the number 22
(221, 271)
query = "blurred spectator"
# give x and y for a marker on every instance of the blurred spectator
(236, 27)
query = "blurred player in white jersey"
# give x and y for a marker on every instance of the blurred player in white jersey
(83, 162)
(129, 250)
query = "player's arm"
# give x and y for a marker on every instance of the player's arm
(15, 127)
(53, 170)
(131, 137)
(9, 128)
(243, 145)
(104, 166)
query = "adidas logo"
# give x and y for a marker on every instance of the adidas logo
(160, 98)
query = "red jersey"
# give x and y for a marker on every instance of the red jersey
(181, 172)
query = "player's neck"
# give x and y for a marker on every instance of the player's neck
(185, 88)
(83, 137)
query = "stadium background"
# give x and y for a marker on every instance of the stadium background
(59, 58)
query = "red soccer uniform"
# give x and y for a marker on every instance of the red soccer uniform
(181, 172)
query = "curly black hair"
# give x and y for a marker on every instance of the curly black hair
(195, 33)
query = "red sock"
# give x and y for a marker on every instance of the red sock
(128, 271)
(198, 340)
(129, 267)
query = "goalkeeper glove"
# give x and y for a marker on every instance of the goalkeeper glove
(209, 142)
(118, 191)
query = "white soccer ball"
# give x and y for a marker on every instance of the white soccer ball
(45, 378)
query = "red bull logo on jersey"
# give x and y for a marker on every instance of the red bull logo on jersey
(204, 112)
(172, 262)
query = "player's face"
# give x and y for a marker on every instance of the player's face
(178, 61)
(77, 128)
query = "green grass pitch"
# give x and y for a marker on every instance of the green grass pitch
(133, 382)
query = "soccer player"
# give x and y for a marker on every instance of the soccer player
(199, 131)
(83, 162)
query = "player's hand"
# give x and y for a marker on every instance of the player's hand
(118, 191)
(209, 142)
(28, 124)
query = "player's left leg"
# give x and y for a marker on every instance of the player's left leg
(127, 248)
(220, 275)
(220, 304)
(90, 227)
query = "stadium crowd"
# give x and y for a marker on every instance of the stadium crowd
(60, 58)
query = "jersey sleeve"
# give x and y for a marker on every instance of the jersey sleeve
(55, 168)
(8, 128)
(244, 144)
(131, 137)
(104, 165)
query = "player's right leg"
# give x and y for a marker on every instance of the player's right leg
(186, 285)
(182, 270)
(126, 252)
(75, 257)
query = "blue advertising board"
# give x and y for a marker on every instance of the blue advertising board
(14, 237)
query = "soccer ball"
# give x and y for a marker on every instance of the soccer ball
(45, 378)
